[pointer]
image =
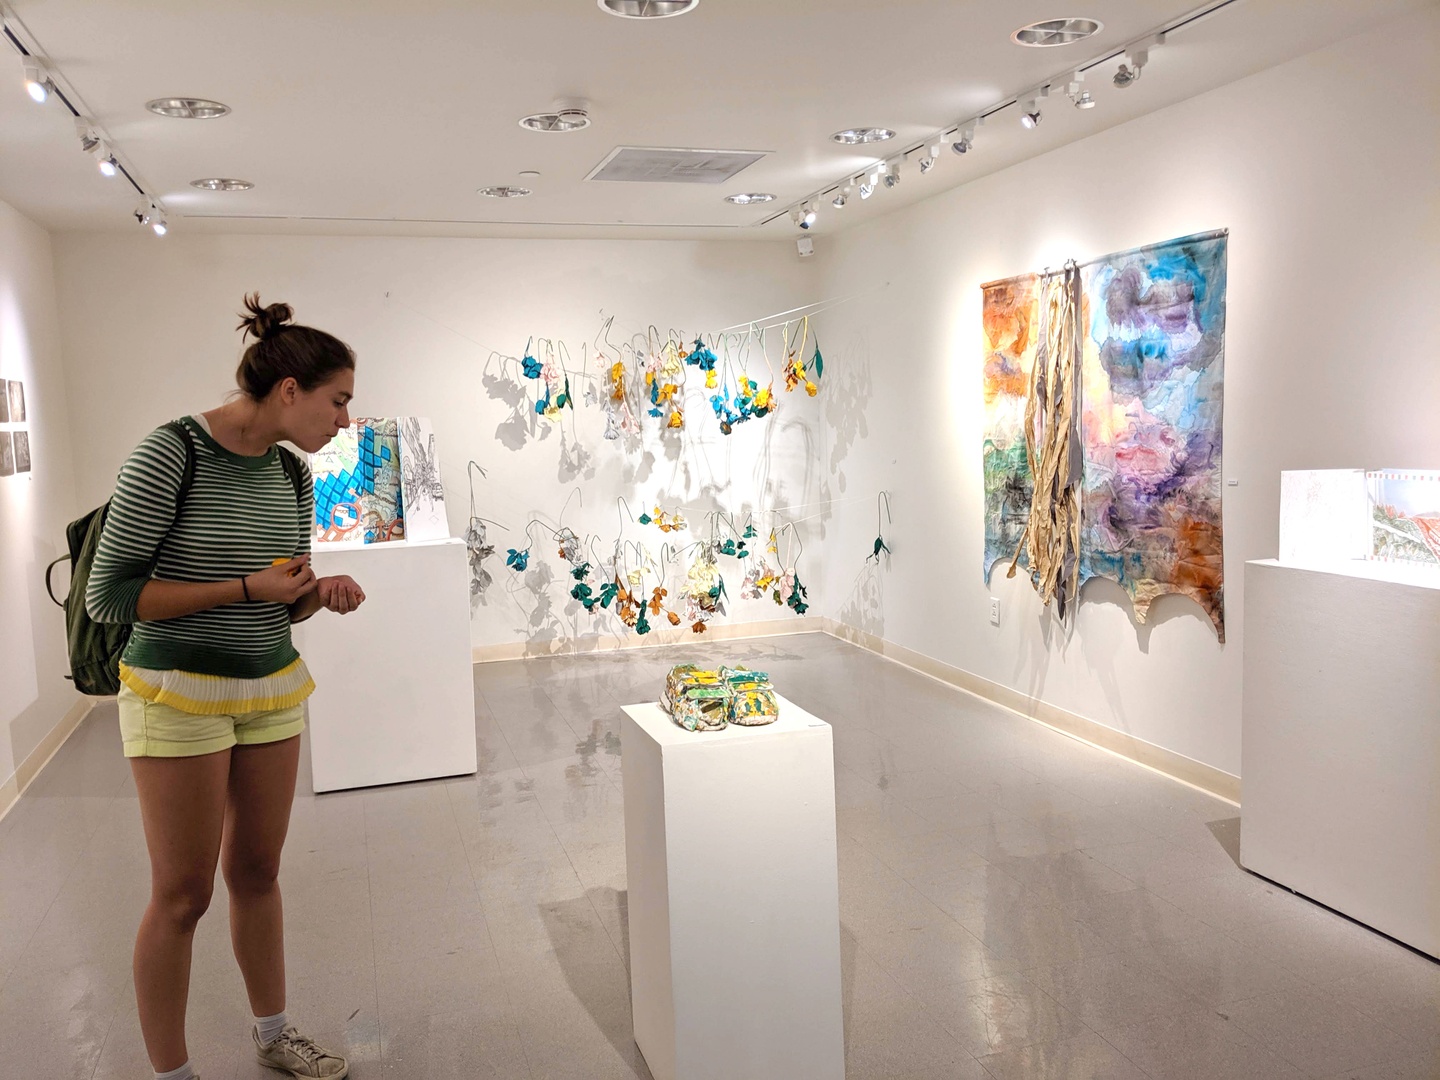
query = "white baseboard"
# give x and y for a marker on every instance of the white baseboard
(1187, 770)
(657, 638)
(37, 759)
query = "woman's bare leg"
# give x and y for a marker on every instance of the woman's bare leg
(257, 817)
(182, 805)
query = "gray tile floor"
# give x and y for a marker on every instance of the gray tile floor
(1013, 904)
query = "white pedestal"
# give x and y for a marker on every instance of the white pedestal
(1341, 740)
(733, 898)
(396, 696)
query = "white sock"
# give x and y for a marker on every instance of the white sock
(184, 1072)
(267, 1027)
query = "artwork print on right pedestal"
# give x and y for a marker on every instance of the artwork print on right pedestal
(1153, 378)
(1405, 515)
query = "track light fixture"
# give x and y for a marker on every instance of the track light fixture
(892, 176)
(89, 140)
(1079, 97)
(932, 155)
(1136, 57)
(1030, 113)
(842, 197)
(866, 190)
(91, 143)
(38, 83)
(149, 213)
(805, 215)
(965, 137)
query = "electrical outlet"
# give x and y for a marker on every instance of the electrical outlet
(994, 611)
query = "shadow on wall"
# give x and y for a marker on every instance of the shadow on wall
(1163, 609)
(864, 609)
(847, 388)
(814, 490)
(1102, 642)
(31, 721)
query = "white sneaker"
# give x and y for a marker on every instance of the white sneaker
(293, 1053)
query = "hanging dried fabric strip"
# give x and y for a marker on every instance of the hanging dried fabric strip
(1052, 442)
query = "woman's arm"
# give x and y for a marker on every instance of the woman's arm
(291, 583)
(171, 599)
(140, 515)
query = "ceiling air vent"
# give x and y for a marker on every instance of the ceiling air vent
(658, 165)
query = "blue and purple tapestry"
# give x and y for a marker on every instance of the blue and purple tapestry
(1153, 390)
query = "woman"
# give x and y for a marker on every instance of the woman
(210, 707)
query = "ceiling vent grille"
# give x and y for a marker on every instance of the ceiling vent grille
(657, 165)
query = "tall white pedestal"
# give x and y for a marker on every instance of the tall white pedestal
(395, 697)
(1341, 740)
(733, 898)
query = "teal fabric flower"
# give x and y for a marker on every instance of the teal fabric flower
(518, 559)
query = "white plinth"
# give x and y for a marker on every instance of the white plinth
(734, 907)
(1341, 740)
(395, 698)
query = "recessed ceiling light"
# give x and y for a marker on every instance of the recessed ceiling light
(856, 136)
(184, 108)
(505, 191)
(559, 121)
(745, 198)
(647, 9)
(222, 183)
(1053, 32)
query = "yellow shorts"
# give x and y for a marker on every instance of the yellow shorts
(151, 730)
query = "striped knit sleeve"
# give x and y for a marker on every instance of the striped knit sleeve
(140, 515)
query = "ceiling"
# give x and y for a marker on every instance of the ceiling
(361, 117)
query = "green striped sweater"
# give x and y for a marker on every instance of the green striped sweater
(240, 515)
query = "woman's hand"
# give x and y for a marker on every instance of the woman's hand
(283, 583)
(340, 594)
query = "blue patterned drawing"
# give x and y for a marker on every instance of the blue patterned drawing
(357, 485)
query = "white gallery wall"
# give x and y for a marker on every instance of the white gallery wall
(149, 334)
(35, 507)
(1326, 171)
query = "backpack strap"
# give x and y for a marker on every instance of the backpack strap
(49, 571)
(290, 462)
(187, 475)
(187, 479)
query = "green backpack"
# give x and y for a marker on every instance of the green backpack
(94, 647)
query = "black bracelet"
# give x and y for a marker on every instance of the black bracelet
(245, 588)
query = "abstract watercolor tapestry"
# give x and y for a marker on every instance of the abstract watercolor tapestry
(1405, 515)
(1010, 317)
(1153, 381)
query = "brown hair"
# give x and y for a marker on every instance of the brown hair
(283, 350)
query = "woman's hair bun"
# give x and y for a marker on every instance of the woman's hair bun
(263, 322)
